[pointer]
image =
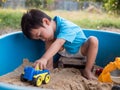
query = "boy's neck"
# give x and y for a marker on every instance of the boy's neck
(54, 25)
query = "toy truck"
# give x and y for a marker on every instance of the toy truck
(35, 76)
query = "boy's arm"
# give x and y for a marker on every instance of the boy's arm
(53, 49)
(49, 65)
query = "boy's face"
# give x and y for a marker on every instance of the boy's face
(45, 33)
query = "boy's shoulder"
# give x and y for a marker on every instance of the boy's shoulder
(58, 18)
(63, 21)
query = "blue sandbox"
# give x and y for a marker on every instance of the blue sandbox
(14, 47)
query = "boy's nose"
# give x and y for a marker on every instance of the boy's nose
(42, 39)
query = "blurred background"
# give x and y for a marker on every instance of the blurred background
(69, 5)
(92, 14)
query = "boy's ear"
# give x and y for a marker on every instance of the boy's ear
(45, 21)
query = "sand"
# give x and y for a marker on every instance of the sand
(61, 79)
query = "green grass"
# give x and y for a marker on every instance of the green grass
(12, 18)
(90, 20)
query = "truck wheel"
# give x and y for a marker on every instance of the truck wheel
(46, 79)
(22, 78)
(37, 81)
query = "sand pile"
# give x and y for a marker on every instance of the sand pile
(61, 79)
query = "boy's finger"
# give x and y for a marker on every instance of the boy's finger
(44, 66)
(41, 67)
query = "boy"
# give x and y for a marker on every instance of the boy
(60, 36)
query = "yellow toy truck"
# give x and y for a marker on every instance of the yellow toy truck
(35, 76)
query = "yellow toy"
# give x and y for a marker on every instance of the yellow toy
(105, 75)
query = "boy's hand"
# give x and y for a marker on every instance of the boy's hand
(41, 63)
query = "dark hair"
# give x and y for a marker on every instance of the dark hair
(32, 19)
